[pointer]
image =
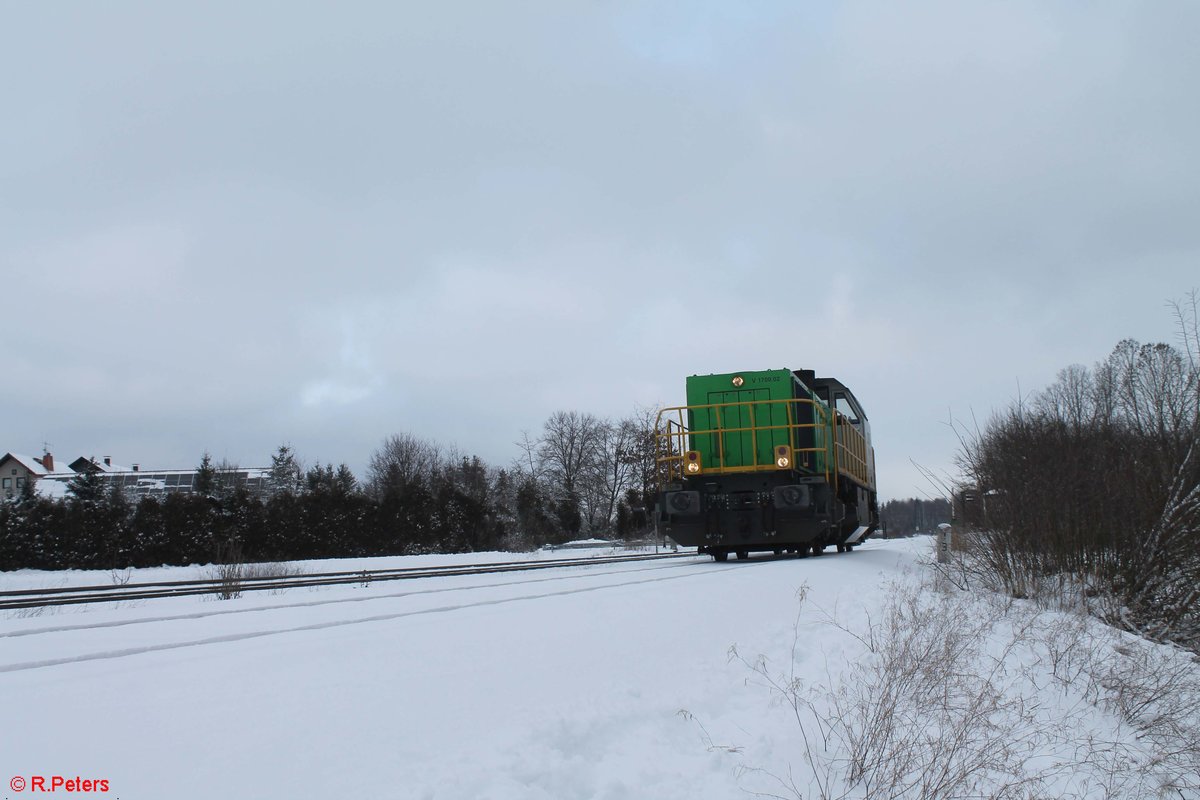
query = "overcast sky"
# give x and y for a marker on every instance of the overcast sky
(232, 225)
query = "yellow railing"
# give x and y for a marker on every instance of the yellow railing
(674, 438)
(848, 456)
(852, 451)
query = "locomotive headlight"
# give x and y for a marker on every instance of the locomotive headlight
(783, 456)
(691, 460)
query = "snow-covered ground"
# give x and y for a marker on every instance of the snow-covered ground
(607, 681)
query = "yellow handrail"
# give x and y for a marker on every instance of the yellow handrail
(847, 449)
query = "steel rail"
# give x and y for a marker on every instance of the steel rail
(75, 595)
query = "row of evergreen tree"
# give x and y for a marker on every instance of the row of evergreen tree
(417, 498)
(914, 515)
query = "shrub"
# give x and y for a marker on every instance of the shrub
(1093, 489)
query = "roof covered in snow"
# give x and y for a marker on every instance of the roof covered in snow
(54, 487)
(99, 463)
(30, 463)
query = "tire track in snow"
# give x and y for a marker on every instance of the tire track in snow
(239, 637)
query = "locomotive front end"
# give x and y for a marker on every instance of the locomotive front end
(764, 461)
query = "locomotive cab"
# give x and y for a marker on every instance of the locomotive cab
(836, 395)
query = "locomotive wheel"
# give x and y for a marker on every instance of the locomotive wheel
(842, 548)
(818, 549)
(743, 555)
(849, 548)
(802, 551)
(720, 555)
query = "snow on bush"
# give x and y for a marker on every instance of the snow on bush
(952, 694)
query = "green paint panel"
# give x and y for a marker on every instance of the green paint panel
(737, 445)
(731, 447)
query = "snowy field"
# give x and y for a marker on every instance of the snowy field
(608, 681)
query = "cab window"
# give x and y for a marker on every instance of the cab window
(843, 406)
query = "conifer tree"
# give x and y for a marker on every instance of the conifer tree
(206, 476)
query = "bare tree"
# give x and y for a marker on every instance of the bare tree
(642, 451)
(1072, 396)
(228, 478)
(529, 462)
(607, 473)
(1187, 319)
(1094, 488)
(566, 446)
(402, 460)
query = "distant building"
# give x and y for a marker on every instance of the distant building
(16, 470)
(105, 464)
(139, 483)
(51, 479)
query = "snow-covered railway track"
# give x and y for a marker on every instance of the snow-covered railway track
(88, 623)
(75, 595)
(122, 637)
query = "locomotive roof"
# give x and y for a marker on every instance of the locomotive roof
(837, 386)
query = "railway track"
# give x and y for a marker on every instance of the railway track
(76, 595)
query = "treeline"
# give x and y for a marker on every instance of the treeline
(1092, 489)
(906, 517)
(580, 475)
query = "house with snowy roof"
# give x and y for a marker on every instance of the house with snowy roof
(17, 470)
(92, 464)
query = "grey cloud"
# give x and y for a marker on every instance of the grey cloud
(231, 225)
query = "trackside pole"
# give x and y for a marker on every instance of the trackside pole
(945, 538)
(945, 541)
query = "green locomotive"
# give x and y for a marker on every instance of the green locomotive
(774, 460)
